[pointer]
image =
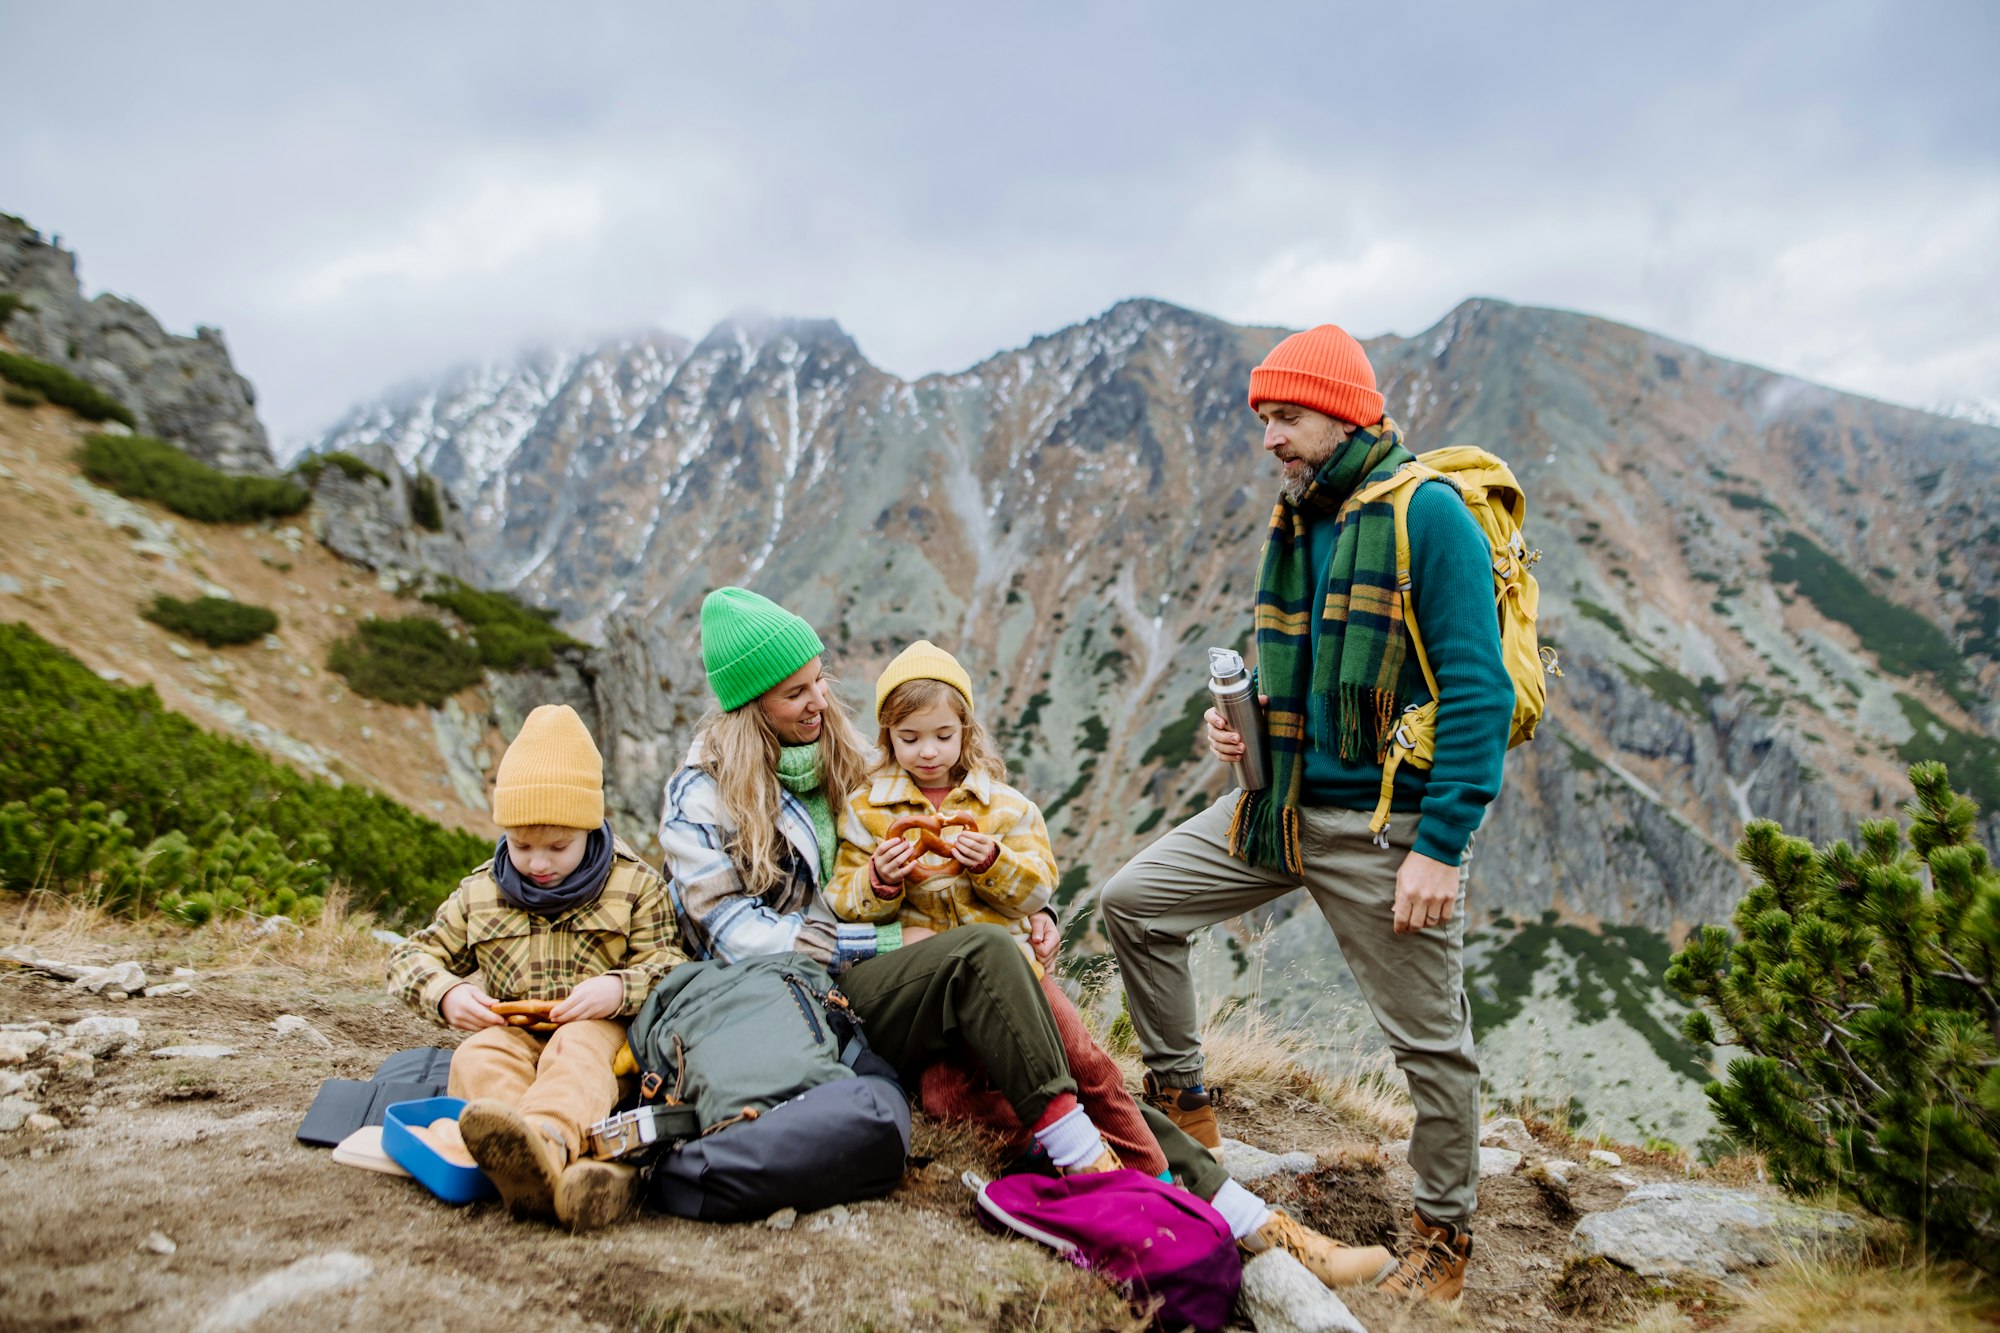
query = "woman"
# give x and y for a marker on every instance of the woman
(747, 831)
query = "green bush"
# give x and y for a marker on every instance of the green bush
(104, 791)
(409, 661)
(215, 621)
(64, 389)
(21, 397)
(9, 303)
(357, 469)
(425, 510)
(511, 636)
(1862, 985)
(143, 468)
(1903, 641)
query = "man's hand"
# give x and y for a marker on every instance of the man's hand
(1426, 891)
(469, 1009)
(1044, 937)
(893, 859)
(1225, 743)
(599, 997)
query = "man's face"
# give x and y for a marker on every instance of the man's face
(1301, 439)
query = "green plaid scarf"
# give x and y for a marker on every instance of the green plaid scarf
(1348, 694)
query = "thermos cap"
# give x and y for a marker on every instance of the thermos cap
(1225, 664)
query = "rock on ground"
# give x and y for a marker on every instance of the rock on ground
(1492, 1161)
(100, 1036)
(1247, 1164)
(16, 1047)
(294, 1284)
(194, 1052)
(1606, 1159)
(1676, 1230)
(291, 1025)
(1510, 1133)
(1281, 1296)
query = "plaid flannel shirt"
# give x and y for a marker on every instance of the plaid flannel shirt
(628, 932)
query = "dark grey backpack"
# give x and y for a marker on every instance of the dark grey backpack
(795, 1110)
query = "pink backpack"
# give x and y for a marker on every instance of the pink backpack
(1166, 1250)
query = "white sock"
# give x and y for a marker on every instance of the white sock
(1071, 1141)
(1244, 1211)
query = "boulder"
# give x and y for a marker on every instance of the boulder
(1677, 1230)
(128, 977)
(1248, 1164)
(14, 1113)
(1281, 1296)
(99, 1036)
(1604, 1159)
(1498, 1162)
(1510, 1133)
(16, 1047)
(293, 1027)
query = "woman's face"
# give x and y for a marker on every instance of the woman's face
(796, 706)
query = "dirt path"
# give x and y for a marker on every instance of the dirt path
(271, 1234)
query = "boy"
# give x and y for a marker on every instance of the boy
(564, 912)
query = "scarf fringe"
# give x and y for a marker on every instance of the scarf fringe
(1265, 832)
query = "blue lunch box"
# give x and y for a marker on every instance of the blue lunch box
(447, 1180)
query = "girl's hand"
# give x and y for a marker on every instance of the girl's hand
(469, 1009)
(974, 850)
(893, 859)
(916, 934)
(599, 997)
(1044, 937)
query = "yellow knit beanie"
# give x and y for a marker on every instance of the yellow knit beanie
(923, 660)
(551, 774)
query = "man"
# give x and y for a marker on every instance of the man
(1336, 667)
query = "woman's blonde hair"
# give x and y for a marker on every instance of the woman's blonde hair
(977, 752)
(739, 750)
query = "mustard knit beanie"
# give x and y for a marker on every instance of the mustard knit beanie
(923, 660)
(750, 643)
(551, 774)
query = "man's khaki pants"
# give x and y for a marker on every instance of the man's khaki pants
(562, 1080)
(1413, 983)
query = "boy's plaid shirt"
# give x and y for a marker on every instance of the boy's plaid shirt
(627, 932)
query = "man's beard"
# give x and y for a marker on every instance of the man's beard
(1297, 481)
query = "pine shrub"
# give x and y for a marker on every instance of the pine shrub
(414, 660)
(143, 468)
(215, 621)
(1861, 983)
(355, 467)
(511, 636)
(64, 389)
(105, 792)
(425, 510)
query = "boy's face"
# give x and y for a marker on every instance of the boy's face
(928, 744)
(545, 853)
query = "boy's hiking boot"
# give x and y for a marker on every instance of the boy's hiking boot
(523, 1163)
(1334, 1264)
(593, 1194)
(1193, 1113)
(1436, 1261)
(1104, 1161)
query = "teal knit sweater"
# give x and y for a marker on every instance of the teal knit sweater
(1451, 574)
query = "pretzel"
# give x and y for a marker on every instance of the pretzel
(530, 1014)
(930, 838)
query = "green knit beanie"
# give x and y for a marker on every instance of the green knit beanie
(750, 643)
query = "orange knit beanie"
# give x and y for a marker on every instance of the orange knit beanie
(1324, 369)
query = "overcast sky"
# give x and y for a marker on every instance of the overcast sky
(359, 194)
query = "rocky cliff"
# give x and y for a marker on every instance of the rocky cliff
(182, 389)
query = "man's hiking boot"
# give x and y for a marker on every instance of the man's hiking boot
(1436, 1261)
(1193, 1113)
(522, 1161)
(1334, 1264)
(593, 1194)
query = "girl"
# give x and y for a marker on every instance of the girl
(938, 761)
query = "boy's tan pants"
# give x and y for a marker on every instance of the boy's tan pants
(1414, 984)
(562, 1079)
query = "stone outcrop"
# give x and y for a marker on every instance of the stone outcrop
(182, 389)
(369, 520)
(1681, 1231)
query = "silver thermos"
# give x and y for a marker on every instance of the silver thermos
(1235, 696)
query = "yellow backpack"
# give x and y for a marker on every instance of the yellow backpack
(1498, 506)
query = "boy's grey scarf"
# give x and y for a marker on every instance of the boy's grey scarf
(580, 888)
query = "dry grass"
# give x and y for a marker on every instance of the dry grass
(1891, 1293)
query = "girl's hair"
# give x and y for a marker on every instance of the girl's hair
(977, 752)
(740, 751)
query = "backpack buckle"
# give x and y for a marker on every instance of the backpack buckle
(650, 1085)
